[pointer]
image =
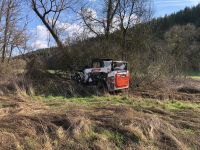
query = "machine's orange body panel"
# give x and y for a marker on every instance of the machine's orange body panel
(122, 80)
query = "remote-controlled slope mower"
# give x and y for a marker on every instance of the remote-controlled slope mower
(106, 74)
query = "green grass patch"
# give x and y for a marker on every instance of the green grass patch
(5, 105)
(174, 105)
(115, 137)
(188, 131)
(195, 77)
(102, 134)
(135, 103)
(1, 105)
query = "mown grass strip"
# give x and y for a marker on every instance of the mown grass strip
(136, 103)
(195, 77)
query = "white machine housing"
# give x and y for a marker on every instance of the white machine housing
(113, 74)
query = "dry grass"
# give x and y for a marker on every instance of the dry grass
(104, 123)
(98, 123)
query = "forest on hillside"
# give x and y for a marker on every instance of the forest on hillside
(173, 38)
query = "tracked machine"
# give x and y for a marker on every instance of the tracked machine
(105, 74)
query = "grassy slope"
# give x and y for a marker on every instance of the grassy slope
(110, 122)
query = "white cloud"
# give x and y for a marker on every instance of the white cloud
(126, 21)
(42, 32)
(194, 2)
(39, 44)
(89, 12)
(69, 29)
(41, 37)
(66, 30)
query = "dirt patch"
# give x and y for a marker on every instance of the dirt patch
(179, 89)
(190, 90)
(168, 95)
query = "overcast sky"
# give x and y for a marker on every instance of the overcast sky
(161, 7)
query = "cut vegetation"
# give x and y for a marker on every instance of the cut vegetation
(105, 123)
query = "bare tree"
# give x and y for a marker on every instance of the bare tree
(96, 24)
(130, 13)
(12, 33)
(10, 6)
(2, 3)
(117, 15)
(18, 41)
(111, 8)
(49, 11)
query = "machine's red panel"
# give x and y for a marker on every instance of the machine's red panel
(122, 80)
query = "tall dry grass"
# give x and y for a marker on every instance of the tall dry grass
(13, 79)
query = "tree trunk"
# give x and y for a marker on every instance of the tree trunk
(1, 9)
(123, 38)
(5, 40)
(10, 55)
(109, 19)
(55, 36)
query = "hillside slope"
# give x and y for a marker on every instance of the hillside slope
(146, 42)
(183, 17)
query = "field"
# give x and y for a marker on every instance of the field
(164, 115)
(104, 123)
